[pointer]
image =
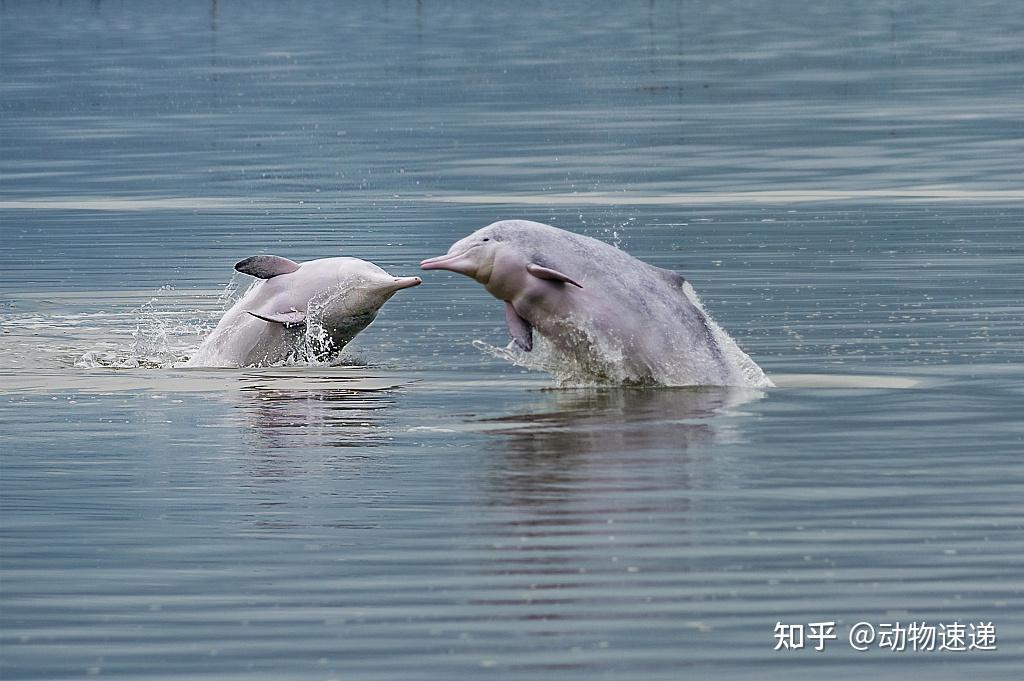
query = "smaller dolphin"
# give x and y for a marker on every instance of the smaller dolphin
(311, 309)
(609, 317)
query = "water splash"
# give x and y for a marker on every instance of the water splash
(236, 288)
(318, 347)
(163, 335)
(605, 368)
(747, 371)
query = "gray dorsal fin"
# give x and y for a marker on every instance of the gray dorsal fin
(522, 332)
(549, 274)
(673, 278)
(266, 266)
(290, 319)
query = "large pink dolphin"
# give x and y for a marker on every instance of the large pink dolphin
(311, 309)
(615, 318)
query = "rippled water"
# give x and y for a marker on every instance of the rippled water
(841, 184)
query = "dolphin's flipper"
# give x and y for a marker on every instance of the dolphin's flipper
(266, 266)
(522, 332)
(289, 319)
(549, 274)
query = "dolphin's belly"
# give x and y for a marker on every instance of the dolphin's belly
(243, 340)
(661, 339)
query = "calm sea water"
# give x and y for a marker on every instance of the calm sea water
(842, 184)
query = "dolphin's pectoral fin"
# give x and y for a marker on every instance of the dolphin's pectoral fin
(290, 319)
(266, 266)
(522, 332)
(549, 274)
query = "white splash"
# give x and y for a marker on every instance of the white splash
(162, 336)
(749, 372)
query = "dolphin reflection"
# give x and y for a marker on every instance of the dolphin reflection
(598, 496)
(596, 448)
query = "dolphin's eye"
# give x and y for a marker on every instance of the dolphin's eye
(486, 238)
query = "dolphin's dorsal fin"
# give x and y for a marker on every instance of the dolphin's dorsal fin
(551, 275)
(266, 266)
(290, 319)
(522, 332)
(674, 279)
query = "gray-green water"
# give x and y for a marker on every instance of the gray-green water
(842, 184)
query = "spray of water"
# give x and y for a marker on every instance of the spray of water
(162, 334)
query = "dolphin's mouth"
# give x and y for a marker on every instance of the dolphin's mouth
(406, 282)
(444, 262)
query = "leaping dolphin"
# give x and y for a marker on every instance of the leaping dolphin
(311, 309)
(615, 318)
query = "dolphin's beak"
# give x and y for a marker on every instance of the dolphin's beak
(461, 263)
(406, 282)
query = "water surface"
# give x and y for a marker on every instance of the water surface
(841, 184)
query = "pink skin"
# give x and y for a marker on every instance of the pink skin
(265, 326)
(542, 303)
(461, 263)
(616, 317)
(406, 282)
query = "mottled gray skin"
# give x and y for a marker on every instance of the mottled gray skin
(619, 319)
(311, 310)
